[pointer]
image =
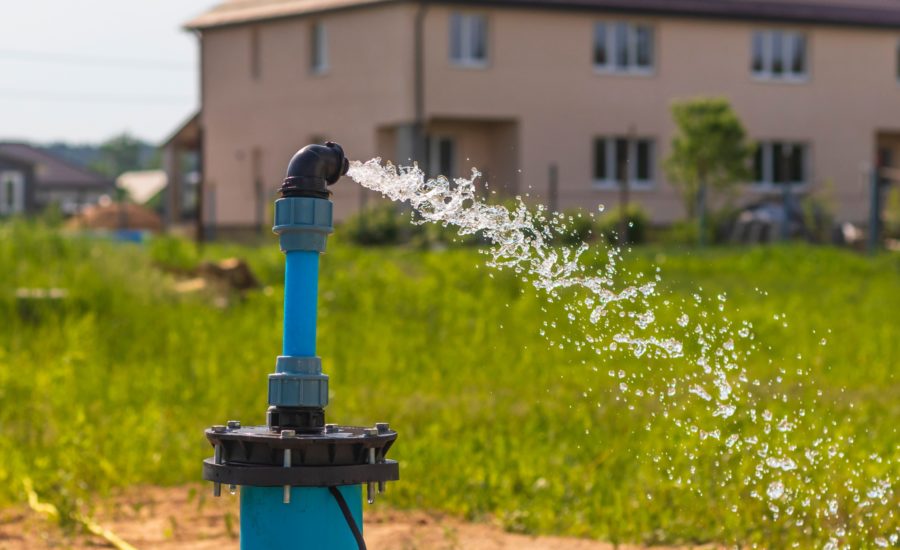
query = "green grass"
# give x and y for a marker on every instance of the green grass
(114, 385)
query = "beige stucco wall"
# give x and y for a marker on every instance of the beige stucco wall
(540, 79)
(540, 72)
(368, 84)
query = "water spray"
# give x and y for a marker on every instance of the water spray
(301, 479)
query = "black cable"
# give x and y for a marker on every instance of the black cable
(349, 517)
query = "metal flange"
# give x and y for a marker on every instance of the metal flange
(335, 455)
(311, 476)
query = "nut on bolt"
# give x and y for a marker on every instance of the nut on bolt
(382, 427)
(331, 428)
(370, 432)
(218, 428)
(234, 424)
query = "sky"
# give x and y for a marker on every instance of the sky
(84, 71)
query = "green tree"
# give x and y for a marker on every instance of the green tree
(119, 154)
(710, 150)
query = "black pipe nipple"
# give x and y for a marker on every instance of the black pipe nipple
(313, 169)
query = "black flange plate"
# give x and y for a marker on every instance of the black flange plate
(312, 476)
(260, 446)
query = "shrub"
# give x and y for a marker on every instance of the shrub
(579, 228)
(638, 221)
(380, 224)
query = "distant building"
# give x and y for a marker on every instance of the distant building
(523, 88)
(32, 179)
(142, 185)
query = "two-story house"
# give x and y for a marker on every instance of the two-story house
(514, 87)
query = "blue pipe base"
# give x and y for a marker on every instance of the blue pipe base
(312, 521)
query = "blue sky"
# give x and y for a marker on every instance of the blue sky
(85, 70)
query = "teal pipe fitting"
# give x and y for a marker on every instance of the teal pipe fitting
(298, 382)
(303, 223)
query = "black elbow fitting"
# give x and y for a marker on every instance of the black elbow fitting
(313, 169)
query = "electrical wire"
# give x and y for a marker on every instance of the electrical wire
(336, 493)
(95, 60)
(38, 95)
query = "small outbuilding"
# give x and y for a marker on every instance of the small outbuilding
(31, 179)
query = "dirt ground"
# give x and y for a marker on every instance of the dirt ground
(189, 518)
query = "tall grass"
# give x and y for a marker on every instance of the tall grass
(113, 385)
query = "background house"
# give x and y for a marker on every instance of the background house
(31, 179)
(523, 88)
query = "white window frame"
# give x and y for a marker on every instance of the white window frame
(610, 181)
(16, 203)
(767, 184)
(611, 66)
(786, 56)
(319, 44)
(467, 22)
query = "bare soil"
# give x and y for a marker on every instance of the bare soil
(190, 518)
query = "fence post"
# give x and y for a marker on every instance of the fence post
(874, 210)
(553, 187)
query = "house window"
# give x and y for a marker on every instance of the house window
(780, 163)
(441, 157)
(618, 158)
(12, 192)
(779, 55)
(623, 47)
(468, 39)
(319, 49)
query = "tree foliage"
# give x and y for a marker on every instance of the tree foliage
(123, 153)
(710, 149)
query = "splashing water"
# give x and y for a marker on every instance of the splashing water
(764, 453)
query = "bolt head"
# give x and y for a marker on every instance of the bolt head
(382, 427)
(218, 428)
(331, 428)
(288, 433)
(370, 431)
(234, 424)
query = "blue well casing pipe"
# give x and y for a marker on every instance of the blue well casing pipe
(312, 520)
(309, 517)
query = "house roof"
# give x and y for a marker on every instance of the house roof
(187, 135)
(52, 171)
(142, 185)
(233, 12)
(876, 13)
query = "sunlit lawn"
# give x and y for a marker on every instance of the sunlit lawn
(114, 385)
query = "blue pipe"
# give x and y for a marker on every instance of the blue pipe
(312, 519)
(301, 291)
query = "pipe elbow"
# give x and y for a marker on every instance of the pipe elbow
(312, 169)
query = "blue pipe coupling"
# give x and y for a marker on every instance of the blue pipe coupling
(303, 223)
(298, 382)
